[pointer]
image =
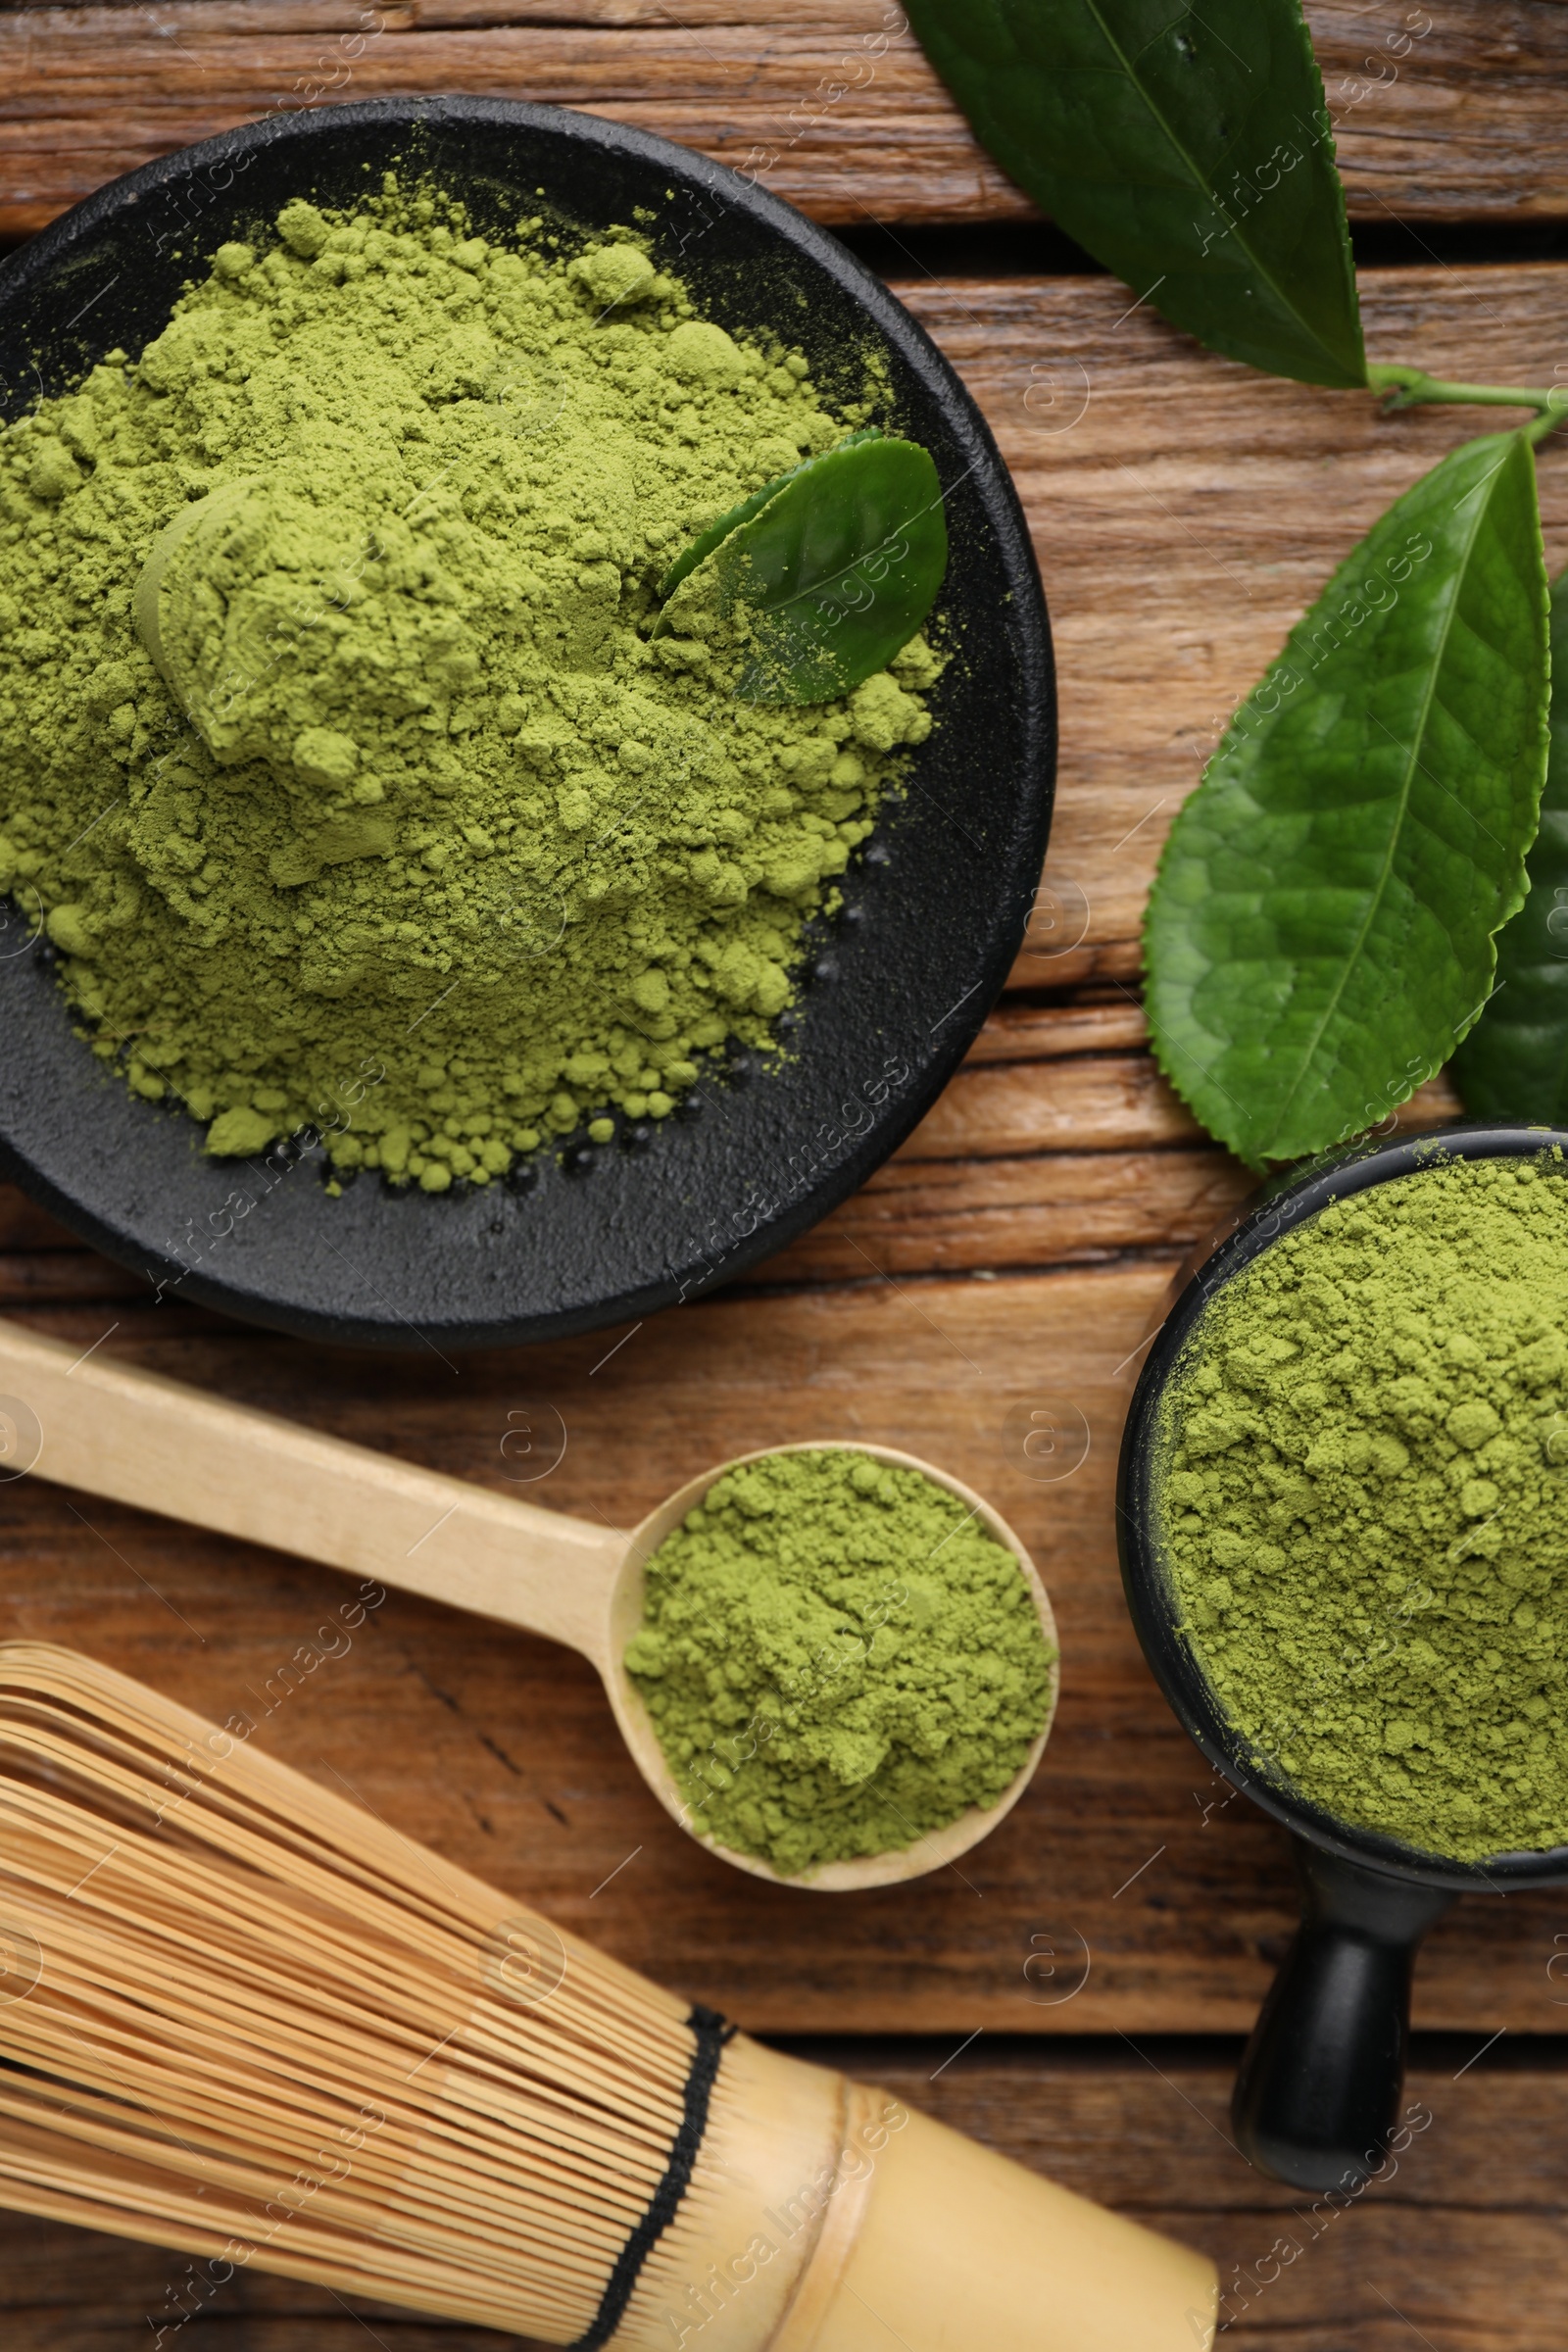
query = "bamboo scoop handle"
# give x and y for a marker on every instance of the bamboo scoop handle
(113, 1429)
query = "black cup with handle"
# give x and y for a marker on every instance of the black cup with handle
(1319, 2086)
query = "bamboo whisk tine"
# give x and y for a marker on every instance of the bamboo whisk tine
(256, 2023)
(243, 2018)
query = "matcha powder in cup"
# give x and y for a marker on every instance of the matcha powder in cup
(336, 756)
(838, 1658)
(1364, 1506)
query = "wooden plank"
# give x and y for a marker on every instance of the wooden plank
(1475, 2201)
(500, 1750)
(1186, 511)
(58, 1277)
(1094, 1102)
(923, 1214)
(1453, 111)
(24, 1227)
(982, 1217)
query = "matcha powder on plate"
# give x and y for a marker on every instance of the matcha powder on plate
(1366, 1504)
(837, 1658)
(368, 803)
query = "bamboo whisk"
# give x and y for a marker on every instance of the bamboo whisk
(245, 2018)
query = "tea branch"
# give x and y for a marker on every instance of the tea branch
(1410, 387)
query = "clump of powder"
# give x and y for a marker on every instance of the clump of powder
(838, 1658)
(1364, 1497)
(391, 818)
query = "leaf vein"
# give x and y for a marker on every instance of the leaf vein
(1411, 764)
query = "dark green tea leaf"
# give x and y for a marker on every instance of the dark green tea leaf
(1188, 149)
(1321, 930)
(1514, 1063)
(704, 544)
(835, 572)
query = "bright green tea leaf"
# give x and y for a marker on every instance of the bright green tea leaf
(1187, 148)
(834, 574)
(704, 546)
(1514, 1063)
(1320, 934)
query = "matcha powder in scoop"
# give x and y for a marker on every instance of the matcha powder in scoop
(837, 1658)
(336, 754)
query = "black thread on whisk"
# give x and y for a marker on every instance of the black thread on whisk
(711, 2032)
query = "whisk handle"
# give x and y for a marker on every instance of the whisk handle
(111, 1428)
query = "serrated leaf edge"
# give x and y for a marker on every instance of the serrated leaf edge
(1201, 183)
(1041, 183)
(1161, 1054)
(1412, 763)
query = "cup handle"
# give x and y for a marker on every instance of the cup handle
(1319, 2082)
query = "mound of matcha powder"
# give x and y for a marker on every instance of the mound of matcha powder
(411, 831)
(837, 1658)
(1365, 1505)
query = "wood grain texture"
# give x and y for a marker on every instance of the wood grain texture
(1444, 112)
(500, 1750)
(1458, 2247)
(1184, 512)
(1013, 1256)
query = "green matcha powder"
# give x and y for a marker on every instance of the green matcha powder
(432, 846)
(1365, 1504)
(838, 1658)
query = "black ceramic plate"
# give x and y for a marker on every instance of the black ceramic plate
(1282, 1205)
(897, 985)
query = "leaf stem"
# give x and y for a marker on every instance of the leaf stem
(1411, 387)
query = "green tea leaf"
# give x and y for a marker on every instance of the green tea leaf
(1514, 1063)
(704, 546)
(1321, 930)
(834, 574)
(1188, 149)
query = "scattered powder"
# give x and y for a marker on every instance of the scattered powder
(408, 813)
(837, 1658)
(1366, 1505)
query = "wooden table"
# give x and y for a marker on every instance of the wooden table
(1017, 1251)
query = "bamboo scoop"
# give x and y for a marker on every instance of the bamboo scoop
(113, 1429)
